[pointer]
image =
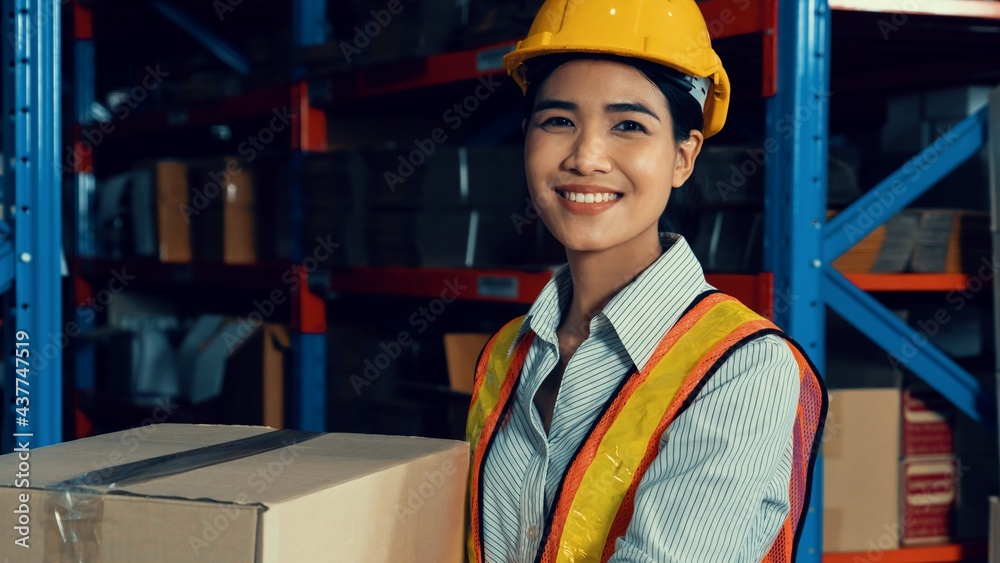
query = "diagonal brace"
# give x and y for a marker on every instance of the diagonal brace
(909, 347)
(903, 186)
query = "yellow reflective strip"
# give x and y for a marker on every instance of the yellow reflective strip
(488, 392)
(612, 471)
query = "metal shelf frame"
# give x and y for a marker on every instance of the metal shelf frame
(307, 380)
(32, 328)
(800, 245)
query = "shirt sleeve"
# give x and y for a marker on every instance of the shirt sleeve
(718, 489)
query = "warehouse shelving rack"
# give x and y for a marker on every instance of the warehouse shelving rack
(800, 245)
(30, 233)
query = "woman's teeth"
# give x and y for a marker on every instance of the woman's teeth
(589, 198)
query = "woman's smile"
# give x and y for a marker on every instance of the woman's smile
(587, 200)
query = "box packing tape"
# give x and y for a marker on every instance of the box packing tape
(77, 507)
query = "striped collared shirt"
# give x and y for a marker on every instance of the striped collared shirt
(718, 489)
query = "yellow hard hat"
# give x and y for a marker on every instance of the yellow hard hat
(667, 32)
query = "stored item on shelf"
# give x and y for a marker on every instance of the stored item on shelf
(432, 177)
(222, 213)
(236, 364)
(928, 422)
(462, 351)
(396, 30)
(887, 249)
(335, 203)
(142, 212)
(861, 438)
(920, 240)
(253, 389)
(929, 489)
(133, 353)
(239, 493)
(455, 238)
(733, 176)
(729, 240)
(173, 228)
(952, 241)
(136, 366)
(496, 21)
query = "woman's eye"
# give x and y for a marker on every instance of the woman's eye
(629, 126)
(557, 122)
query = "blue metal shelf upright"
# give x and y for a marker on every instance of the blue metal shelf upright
(31, 233)
(800, 245)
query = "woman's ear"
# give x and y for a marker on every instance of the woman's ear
(687, 153)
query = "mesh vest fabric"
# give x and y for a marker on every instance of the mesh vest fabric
(595, 501)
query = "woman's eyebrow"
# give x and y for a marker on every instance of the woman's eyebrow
(555, 104)
(625, 107)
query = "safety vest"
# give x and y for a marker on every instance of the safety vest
(594, 504)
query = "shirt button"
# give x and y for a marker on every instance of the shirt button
(532, 533)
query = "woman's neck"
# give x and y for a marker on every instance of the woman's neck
(599, 275)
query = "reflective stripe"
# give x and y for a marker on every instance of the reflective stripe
(623, 444)
(595, 501)
(496, 376)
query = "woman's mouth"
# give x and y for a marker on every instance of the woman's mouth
(589, 197)
(587, 203)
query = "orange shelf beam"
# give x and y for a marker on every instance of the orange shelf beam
(910, 282)
(948, 8)
(930, 554)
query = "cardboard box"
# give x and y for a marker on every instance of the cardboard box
(237, 366)
(255, 378)
(289, 496)
(173, 227)
(861, 439)
(462, 350)
(224, 223)
(927, 423)
(929, 489)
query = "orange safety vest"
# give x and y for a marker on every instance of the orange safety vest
(595, 500)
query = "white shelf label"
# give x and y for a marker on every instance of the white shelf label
(504, 287)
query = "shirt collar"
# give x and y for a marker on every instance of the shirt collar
(641, 312)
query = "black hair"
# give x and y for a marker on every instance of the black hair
(685, 111)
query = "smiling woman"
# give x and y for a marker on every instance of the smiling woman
(635, 413)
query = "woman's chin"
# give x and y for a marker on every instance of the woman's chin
(587, 244)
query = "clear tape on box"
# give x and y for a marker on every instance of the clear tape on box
(77, 507)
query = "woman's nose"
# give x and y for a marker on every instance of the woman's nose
(589, 155)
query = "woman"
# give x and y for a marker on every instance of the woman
(633, 414)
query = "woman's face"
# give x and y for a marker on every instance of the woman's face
(600, 154)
